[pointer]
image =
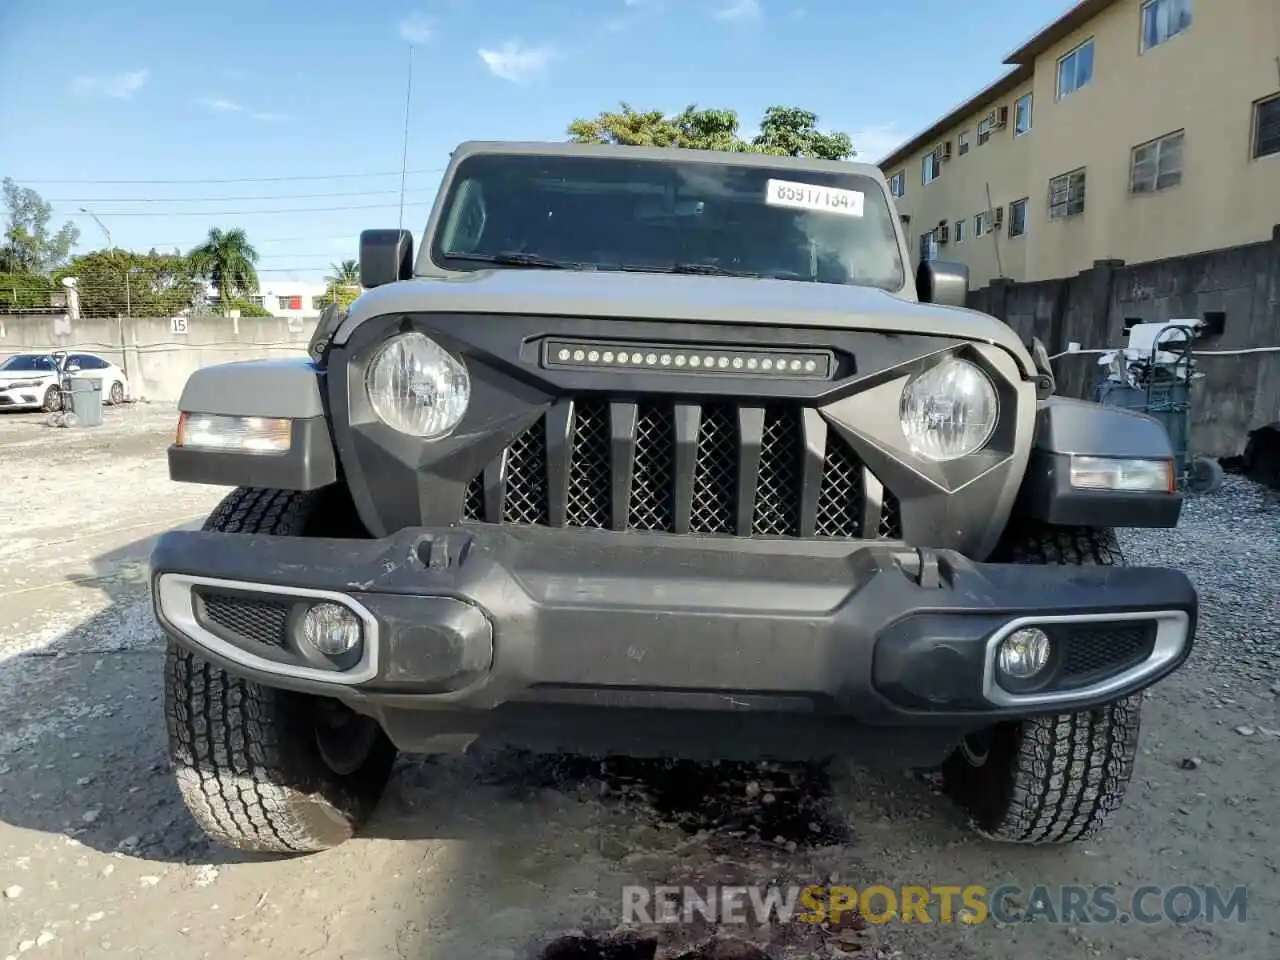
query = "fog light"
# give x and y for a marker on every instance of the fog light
(1024, 653)
(331, 629)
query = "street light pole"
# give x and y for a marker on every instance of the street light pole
(128, 296)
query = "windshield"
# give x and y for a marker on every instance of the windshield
(631, 214)
(30, 362)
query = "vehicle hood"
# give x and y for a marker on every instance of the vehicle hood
(735, 300)
(16, 376)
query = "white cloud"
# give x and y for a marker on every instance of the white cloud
(739, 11)
(219, 105)
(875, 143)
(222, 105)
(122, 86)
(515, 62)
(416, 28)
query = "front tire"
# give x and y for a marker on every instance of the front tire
(262, 769)
(116, 396)
(52, 400)
(1057, 778)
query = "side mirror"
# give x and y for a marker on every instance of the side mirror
(385, 257)
(938, 281)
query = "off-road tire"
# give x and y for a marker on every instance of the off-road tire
(245, 756)
(52, 402)
(1051, 779)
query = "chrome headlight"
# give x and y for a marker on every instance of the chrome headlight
(949, 411)
(417, 387)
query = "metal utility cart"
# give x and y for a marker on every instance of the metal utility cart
(1153, 375)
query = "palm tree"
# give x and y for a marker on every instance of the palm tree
(344, 274)
(226, 259)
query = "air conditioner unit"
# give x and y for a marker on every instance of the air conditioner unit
(942, 234)
(944, 150)
(993, 117)
(1001, 116)
(997, 216)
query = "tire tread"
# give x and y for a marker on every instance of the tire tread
(245, 760)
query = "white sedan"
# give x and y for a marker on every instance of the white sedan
(30, 381)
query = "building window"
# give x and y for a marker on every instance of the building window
(1156, 165)
(1266, 128)
(1066, 195)
(1022, 116)
(898, 184)
(289, 303)
(258, 301)
(959, 231)
(1075, 70)
(984, 130)
(319, 303)
(928, 246)
(931, 168)
(1162, 20)
(980, 225)
(1018, 218)
(963, 140)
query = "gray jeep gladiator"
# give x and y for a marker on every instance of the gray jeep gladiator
(654, 452)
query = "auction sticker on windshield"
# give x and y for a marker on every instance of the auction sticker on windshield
(809, 196)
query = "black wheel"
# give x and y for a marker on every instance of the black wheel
(116, 396)
(263, 769)
(52, 400)
(1051, 779)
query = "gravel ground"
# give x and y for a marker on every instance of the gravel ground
(494, 855)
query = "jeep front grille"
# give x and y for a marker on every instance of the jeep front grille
(684, 468)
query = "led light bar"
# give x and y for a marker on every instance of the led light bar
(670, 358)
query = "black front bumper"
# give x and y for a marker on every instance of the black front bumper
(474, 619)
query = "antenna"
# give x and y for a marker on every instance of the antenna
(404, 158)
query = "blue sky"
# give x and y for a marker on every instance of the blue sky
(158, 90)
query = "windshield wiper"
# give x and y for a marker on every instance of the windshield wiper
(516, 259)
(704, 269)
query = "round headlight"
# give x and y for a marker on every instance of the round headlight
(949, 411)
(417, 387)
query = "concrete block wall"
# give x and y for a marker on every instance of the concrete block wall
(157, 358)
(1240, 390)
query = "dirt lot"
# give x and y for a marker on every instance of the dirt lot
(492, 856)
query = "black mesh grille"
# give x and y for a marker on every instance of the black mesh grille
(1093, 652)
(715, 472)
(589, 466)
(890, 518)
(260, 620)
(526, 499)
(473, 499)
(652, 476)
(777, 490)
(715, 465)
(841, 500)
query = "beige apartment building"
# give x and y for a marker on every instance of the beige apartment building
(1126, 129)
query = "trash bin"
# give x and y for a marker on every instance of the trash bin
(86, 401)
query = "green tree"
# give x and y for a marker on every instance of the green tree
(343, 284)
(346, 273)
(788, 131)
(159, 284)
(248, 308)
(28, 246)
(227, 260)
